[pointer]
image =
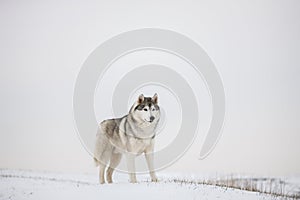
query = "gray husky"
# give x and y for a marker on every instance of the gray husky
(130, 135)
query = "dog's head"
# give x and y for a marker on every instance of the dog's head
(146, 109)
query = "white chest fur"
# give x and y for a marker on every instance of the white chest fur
(138, 146)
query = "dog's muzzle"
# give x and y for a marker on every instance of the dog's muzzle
(152, 119)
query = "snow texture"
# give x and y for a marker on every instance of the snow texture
(20, 184)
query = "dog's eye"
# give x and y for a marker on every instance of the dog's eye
(145, 109)
(153, 109)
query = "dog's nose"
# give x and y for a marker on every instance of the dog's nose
(152, 118)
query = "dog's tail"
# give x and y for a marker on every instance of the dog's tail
(96, 162)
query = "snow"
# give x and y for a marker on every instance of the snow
(20, 184)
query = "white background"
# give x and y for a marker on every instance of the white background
(255, 46)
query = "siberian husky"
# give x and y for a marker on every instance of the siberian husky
(130, 135)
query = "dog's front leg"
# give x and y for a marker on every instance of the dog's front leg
(150, 162)
(130, 159)
(149, 158)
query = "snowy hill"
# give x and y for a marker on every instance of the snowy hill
(19, 184)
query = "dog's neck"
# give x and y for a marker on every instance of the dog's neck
(142, 129)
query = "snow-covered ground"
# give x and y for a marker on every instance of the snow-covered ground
(20, 184)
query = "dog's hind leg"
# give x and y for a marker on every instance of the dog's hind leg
(114, 162)
(105, 157)
(101, 173)
(102, 154)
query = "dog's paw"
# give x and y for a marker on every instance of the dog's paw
(133, 181)
(155, 179)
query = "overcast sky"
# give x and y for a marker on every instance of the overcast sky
(255, 46)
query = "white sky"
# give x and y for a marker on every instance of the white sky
(255, 46)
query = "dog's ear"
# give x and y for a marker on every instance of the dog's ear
(140, 99)
(154, 98)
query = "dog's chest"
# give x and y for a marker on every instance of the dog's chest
(138, 146)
